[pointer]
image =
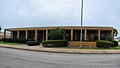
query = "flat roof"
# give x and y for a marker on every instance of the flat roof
(62, 27)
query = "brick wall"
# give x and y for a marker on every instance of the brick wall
(77, 43)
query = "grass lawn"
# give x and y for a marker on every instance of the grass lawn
(10, 43)
(118, 47)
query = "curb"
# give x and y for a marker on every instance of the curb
(41, 50)
(66, 52)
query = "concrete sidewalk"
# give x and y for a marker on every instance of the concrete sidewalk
(62, 50)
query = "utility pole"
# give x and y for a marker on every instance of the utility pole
(81, 23)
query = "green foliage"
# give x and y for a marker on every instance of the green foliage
(115, 32)
(0, 29)
(55, 43)
(115, 43)
(57, 34)
(117, 47)
(9, 43)
(15, 40)
(32, 43)
(104, 44)
(0, 40)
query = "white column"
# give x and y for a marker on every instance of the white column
(71, 34)
(46, 34)
(26, 34)
(98, 34)
(35, 35)
(18, 34)
(85, 36)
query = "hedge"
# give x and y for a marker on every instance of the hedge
(104, 44)
(55, 43)
(0, 40)
(16, 40)
(115, 43)
(32, 43)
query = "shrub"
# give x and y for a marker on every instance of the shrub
(15, 40)
(57, 34)
(32, 43)
(104, 44)
(55, 43)
(115, 43)
(0, 40)
(19, 41)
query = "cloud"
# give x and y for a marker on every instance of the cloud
(23, 13)
(37, 8)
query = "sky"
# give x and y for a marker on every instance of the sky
(38, 13)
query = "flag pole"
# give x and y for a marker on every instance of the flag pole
(81, 23)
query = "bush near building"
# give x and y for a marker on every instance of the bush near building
(57, 34)
(104, 44)
(32, 43)
(57, 39)
(115, 44)
(16, 40)
(55, 43)
(0, 40)
(29, 42)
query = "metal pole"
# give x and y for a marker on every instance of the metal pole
(81, 23)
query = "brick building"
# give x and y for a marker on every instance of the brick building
(73, 33)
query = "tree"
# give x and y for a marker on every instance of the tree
(0, 29)
(57, 34)
(115, 32)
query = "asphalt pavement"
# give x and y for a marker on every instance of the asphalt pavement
(14, 58)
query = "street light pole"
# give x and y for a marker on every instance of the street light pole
(81, 23)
